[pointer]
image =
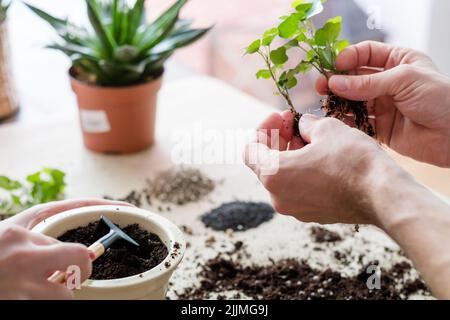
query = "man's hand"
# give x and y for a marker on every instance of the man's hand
(327, 181)
(343, 176)
(408, 96)
(27, 258)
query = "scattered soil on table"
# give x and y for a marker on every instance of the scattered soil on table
(179, 186)
(343, 109)
(122, 259)
(134, 197)
(322, 235)
(291, 279)
(238, 216)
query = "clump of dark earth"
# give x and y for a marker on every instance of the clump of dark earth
(291, 279)
(297, 117)
(122, 259)
(340, 108)
(179, 186)
(238, 216)
(322, 235)
(344, 110)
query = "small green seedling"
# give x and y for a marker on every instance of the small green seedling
(40, 187)
(320, 47)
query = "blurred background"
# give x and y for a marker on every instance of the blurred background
(43, 86)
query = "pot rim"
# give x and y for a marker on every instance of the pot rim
(172, 231)
(73, 79)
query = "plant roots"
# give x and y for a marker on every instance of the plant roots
(344, 109)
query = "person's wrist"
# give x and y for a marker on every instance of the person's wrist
(397, 201)
(390, 191)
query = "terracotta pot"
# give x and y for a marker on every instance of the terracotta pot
(150, 285)
(117, 119)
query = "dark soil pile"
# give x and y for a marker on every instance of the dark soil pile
(122, 259)
(322, 235)
(179, 186)
(238, 216)
(291, 280)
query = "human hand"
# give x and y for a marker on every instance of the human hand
(408, 96)
(329, 180)
(27, 258)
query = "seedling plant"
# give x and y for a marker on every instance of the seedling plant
(320, 47)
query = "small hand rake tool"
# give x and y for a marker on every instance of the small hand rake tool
(99, 247)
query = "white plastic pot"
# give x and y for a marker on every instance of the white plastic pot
(150, 285)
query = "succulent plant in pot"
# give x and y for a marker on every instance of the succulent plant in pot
(117, 66)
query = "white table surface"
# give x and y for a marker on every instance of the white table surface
(188, 105)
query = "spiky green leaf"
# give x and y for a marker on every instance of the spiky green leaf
(179, 40)
(160, 28)
(106, 39)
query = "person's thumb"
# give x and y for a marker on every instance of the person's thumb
(363, 87)
(261, 159)
(313, 128)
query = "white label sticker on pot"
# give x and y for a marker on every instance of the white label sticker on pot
(94, 121)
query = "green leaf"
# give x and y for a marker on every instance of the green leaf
(57, 176)
(47, 185)
(126, 20)
(56, 23)
(291, 44)
(136, 17)
(329, 33)
(341, 45)
(160, 28)
(296, 3)
(16, 199)
(65, 30)
(289, 27)
(311, 56)
(327, 58)
(73, 49)
(301, 37)
(303, 10)
(303, 67)
(291, 83)
(104, 36)
(8, 184)
(253, 47)
(263, 73)
(317, 8)
(116, 19)
(269, 36)
(279, 56)
(287, 80)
